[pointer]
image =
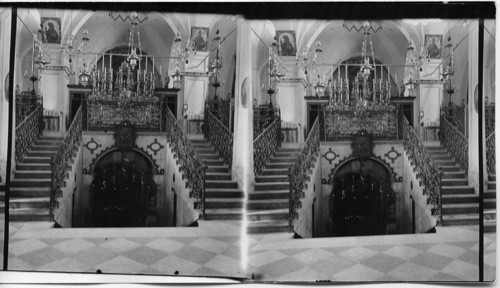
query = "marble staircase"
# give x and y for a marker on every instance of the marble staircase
(223, 199)
(268, 204)
(490, 214)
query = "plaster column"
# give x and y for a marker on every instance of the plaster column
(53, 85)
(196, 83)
(5, 19)
(293, 104)
(472, 110)
(242, 166)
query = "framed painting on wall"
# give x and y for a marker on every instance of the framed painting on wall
(199, 36)
(52, 28)
(286, 43)
(433, 44)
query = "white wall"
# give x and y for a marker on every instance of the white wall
(5, 27)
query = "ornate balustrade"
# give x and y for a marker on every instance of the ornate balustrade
(490, 154)
(266, 144)
(427, 172)
(220, 108)
(27, 132)
(263, 116)
(298, 173)
(26, 103)
(341, 123)
(455, 142)
(489, 118)
(61, 162)
(192, 167)
(219, 136)
(145, 113)
(456, 115)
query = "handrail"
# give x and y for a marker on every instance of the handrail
(219, 136)
(266, 144)
(490, 154)
(427, 171)
(455, 142)
(27, 132)
(190, 164)
(60, 162)
(297, 173)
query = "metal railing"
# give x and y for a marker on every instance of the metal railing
(27, 132)
(455, 142)
(219, 137)
(266, 144)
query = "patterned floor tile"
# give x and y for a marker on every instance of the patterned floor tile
(328, 267)
(26, 246)
(64, 265)
(170, 264)
(265, 258)
(185, 240)
(42, 256)
(141, 240)
(334, 250)
(120, 245)
(74, 245)
(95, 255)
(205, 271)
(227, 239)
(312, 255)
(462, 270)
(275, 269)
(122, 265)
(447, 250)
(226, 265)
(420, 246)
(412, 272)
(358, 272)
(150, 271)
(387, 278)
(382, 262)
(18, 264)
(53, 241)
(194, 254)
(232, 251)
(145, 255)
(431, 260)
(291, 252)
(443, 277)
(379, 248)
(210, 244)
(166, 245)
(465, 245)
(402, 252)
(469, 256)
(303, 275)
(358, 253)
(97, 240)
(490, 259)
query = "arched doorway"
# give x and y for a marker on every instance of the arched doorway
(362, 201)
(123, 192)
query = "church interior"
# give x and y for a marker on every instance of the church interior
(125, 146)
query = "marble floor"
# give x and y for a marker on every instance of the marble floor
(214, 249)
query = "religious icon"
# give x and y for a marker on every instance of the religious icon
(433, 45)
(286, 43)
(52, 29)
(199, 36)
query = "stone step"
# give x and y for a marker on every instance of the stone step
(442, 157)
(217, 169)
(268, 226)
(52, 148)
(218, 176)
(29, 214)
(275, 166)
(205, 150)
(30, 174)
(213, 162)
(224, 214)
(273, 214)
(223, 193)
(445, 163)
(204, 145)
(36, 202)
(461, 208)
(267, 204)
(30, 191)
(220, 184)
(460, 198)
(285, 154)
(289, 150)
(436, 152)
(492, 177)
(434, 148)
(490, 226)
(490, 194)
(209, 156)
(52, 137)
(290, 160)
(271, 178)
(460, 219)
(454, 168)
(453, 175)
(41, 153)
(454, 182)
(490, 203)
(198, 140)
(48, 142)
(272, 186)
(2, 196)
(38, 159)
(457, 189)
(31, 182)
(276, 194)
(492, 185)
(33, 167)
(267, 172)
(215, 203)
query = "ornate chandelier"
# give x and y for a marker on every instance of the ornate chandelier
(133, 58)
(275, 72)
(307, 58)
(215, 66)
(417, 58)
(449, 71)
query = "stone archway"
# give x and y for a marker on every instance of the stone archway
(123, 192)
(362, 201)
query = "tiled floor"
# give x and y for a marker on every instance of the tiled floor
(214, 250)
